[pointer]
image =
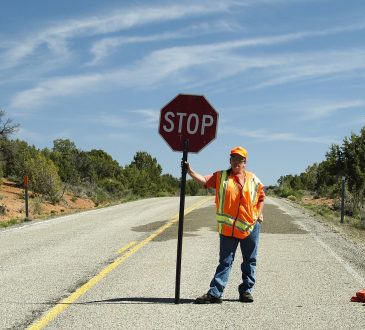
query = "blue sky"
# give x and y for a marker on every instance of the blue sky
(287, 77)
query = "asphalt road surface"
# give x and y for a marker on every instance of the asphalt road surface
(115, 268)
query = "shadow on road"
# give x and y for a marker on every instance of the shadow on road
(139, 300)
(203, 217)
(144, 300)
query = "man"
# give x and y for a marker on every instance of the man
(239, 203)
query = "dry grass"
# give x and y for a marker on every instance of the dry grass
(351, 227)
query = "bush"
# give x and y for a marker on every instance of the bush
(36, 205)
(192, 187)
(100, 196)
(163, 194)
(323, 210)
(8, 223)
(43, 177)
(288, 192)
(112, 187)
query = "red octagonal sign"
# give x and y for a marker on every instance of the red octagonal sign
(191, 118)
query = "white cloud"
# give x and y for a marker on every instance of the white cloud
(326, 110)
(101, 49)
(216, 62)
(308, 66)
(267, 136)
(188, 64)
(104, 47)
(53, 88)
(55, 37)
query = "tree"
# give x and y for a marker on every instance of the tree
(329, 172)
(309, 177)
(139, 183)
(192, 187)
(144, 162)
(64, 154)
(169, 184)
(6, 126)
(14, 155)
(353, 150)
(143, 176)
(43, 176)
(102, 165)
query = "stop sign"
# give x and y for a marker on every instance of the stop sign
(191, 118)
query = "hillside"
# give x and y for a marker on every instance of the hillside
(12, 204)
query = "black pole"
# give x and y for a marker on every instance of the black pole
(343, 199)
(181, 221)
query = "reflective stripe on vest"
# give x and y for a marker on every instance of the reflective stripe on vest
(222, 191)
(254, 188)
(228, 220)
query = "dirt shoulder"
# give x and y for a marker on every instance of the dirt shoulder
(12, 204)
(322, 210)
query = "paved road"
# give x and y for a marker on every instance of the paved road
(307, 273)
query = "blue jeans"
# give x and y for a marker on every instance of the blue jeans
(227, 250)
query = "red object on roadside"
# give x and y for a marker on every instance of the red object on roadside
(25, 180)
(360, 296)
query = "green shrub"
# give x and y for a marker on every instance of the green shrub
(36, 205)
(113, 187)
(323, 210)
(100, 197)
(43, 177)
(8, 223)
(162, 194)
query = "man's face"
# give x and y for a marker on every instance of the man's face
(238, 164)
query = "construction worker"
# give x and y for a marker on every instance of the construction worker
(239, 202)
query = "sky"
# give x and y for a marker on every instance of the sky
(287, 77)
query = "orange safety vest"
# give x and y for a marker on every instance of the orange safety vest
(236, 210)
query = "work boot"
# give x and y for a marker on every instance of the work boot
(207, 299)
(246, 297)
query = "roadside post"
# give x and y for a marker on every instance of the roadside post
(343, 199)
(187, 123)
(26, 197)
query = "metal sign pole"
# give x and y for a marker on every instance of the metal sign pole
(181, 221)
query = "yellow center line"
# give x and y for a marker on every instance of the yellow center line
(126, 247)
(65, 303)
